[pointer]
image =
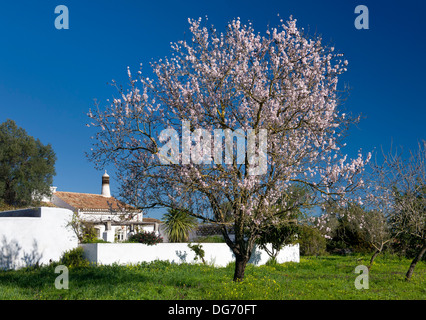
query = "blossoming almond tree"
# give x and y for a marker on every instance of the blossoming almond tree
(281, 83)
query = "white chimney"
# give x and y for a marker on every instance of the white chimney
(106, 192)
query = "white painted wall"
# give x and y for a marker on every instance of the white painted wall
(35, 235)
(217, 254)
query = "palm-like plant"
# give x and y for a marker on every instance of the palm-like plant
(178, 225)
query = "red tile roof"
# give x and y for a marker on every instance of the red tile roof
(88, 201)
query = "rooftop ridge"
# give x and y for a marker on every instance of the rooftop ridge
(89, 201)
(92, 194)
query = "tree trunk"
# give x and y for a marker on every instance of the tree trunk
(373, 257)
(241, 247)
(240, 267)
(414, 262)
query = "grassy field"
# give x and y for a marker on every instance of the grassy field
(317, 278)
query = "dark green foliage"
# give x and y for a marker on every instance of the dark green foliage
(347, 237)
(278, 236)
(199, 251)
(26, 166)
(349, 229)
(288, 212)
(88, 233)
(407, 246)
(311, 241)
(409, 222)
(148, 238)
(74, 258)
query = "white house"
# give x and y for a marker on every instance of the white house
(112, 219)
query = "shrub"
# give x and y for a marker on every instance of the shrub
(407, 246)
(278, 237)
(85, 231)
(178, 225)
(88, 233)
(148, 238)
(311, 241)
(74, 258)
(199, 252)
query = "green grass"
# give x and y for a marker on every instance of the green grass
(318, 278)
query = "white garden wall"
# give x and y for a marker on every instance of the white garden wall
(217, 254)
(33, 236)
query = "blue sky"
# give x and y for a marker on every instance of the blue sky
(49, 78)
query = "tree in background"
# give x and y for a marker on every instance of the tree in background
(399, 191)
(354, 227)
(282, 83)
(376, 231)
(275, 236)
(27, 166)
(312, 242)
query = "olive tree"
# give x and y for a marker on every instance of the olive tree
(27, 166)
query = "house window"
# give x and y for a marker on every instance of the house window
(120, 235)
